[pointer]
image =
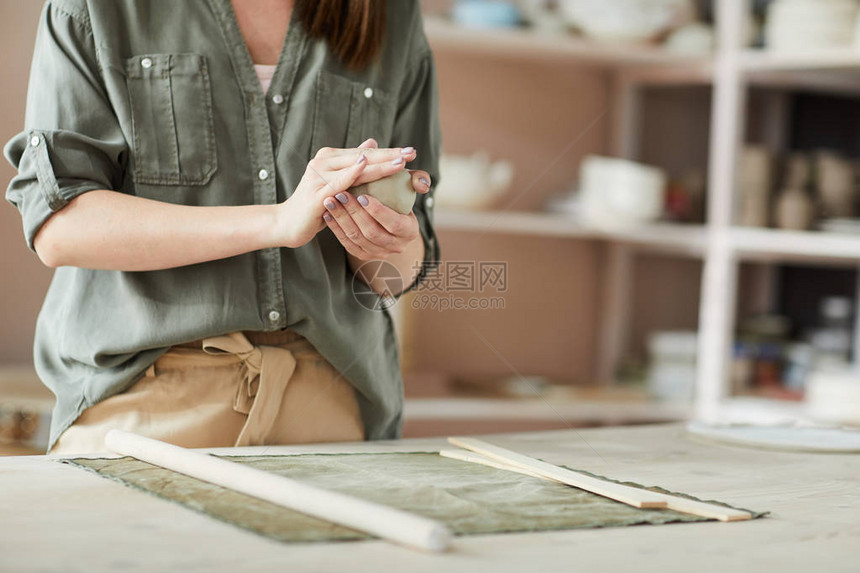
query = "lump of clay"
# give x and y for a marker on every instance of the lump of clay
(394, 191)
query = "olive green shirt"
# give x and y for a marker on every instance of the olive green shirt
(159, 99)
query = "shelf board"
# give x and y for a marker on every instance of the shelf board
(812, 71)
(805, 246)
(668, 237)
(650, 64)
(769, 61)
(525, 43)
(532, 409)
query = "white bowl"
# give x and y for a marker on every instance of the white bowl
(626, 20)
(695, 38)
(619, 193)
(472, 182)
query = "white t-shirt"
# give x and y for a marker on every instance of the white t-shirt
(265, 74)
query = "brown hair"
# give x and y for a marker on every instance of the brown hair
(353, 29)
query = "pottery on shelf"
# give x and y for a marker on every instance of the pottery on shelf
(695, 38)
(627, 21)
(543, 15)
(485, 14)
(795, 210)
(672, 369)
(472, 182)
(835, 185)
(798, 171)
(806, 25)
(833, 395)
(620, 193)
(565, 203)
(756, 181)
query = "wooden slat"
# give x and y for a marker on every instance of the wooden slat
(630, 495)
(500, 458)
(471, 457)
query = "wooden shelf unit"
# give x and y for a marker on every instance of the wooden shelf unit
(650, 64)
(731, 70)
(523, 43)
(736, 69)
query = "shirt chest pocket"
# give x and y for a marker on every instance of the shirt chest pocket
(171, 107)
(347, 112)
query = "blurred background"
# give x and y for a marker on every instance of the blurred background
(648, 212)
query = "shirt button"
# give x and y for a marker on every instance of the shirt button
(146, 63)
(263, 174)
(274, 316)
(35, 140)
(368, 93)
(429, 201)
(278, 99)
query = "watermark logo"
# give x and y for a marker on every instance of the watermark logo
(463, 285)
(385, 274)
(450, 285)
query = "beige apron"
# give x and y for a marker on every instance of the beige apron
(239, 389)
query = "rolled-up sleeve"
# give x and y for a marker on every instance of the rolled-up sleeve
(72, 141)
(417, 124)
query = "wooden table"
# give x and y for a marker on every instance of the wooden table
(59, 518)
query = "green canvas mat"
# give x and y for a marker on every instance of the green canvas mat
(469, 498)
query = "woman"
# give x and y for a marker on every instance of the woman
(208, 255)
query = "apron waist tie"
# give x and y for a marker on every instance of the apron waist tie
(265, 371)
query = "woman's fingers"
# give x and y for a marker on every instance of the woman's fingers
(378, 171)
(340, 181)
(420, 180)
(331, 182)
(369, 143)
(349, 236)
(359, 227)
(380, 162)
(372, 229)
(398, 225)
(333, 159)
(351, 247)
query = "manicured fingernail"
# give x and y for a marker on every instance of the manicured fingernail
(342, 198)
(327, 217)
(407, 150)
(424, 181)
(329, 203)
(397, 161)
(363, 200)
(361, 159)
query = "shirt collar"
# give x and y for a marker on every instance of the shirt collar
(243, 65)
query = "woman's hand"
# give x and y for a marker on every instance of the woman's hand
(331, 172)
(366, 228)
